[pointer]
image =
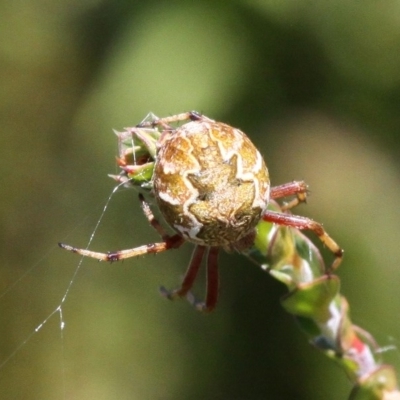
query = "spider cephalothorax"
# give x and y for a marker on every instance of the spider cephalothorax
(211, 186)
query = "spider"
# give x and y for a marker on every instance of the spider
(212, 188)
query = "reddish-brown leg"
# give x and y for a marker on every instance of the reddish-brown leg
(295, 188)
(190, 275)
(212, 283)
(212, 279)
(299, 222)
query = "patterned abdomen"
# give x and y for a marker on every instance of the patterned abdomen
(210, 182)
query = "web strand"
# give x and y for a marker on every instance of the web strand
(57, 310)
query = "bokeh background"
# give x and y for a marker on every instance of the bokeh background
(315, 84)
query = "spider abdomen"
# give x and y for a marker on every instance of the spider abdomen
(210, 182)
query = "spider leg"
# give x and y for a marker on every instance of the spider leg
(164, 122)
(212, 283)
(298, 222)
(169, 242)
(297, 188)
(190, 275)
(151, 218)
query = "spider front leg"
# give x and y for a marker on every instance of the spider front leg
(298, 222)
(169, 242)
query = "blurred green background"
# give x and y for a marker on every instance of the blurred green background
(315, 84)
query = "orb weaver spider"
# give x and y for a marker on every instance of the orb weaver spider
(212, 188)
